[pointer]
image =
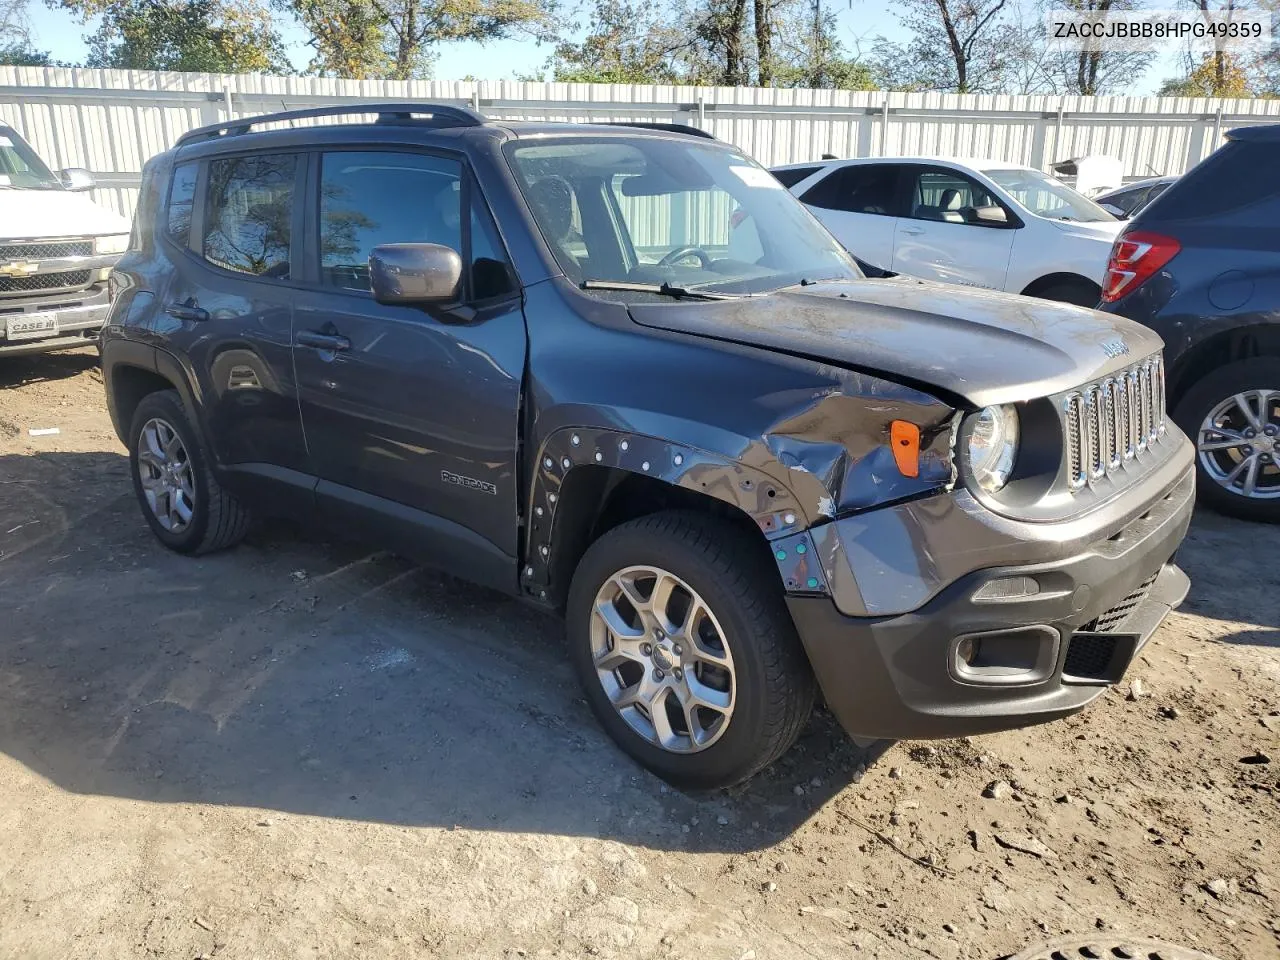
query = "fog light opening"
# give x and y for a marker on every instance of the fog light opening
(968, 649)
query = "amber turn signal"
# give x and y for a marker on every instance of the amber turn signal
(904, 438)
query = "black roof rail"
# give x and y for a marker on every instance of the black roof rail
(442, 115)
(668, 127)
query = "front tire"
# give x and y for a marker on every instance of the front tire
(182, 501)
(681, 639)
(1232, 415)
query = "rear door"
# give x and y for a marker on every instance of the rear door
(859, 204)
(411, 415)
(228, 309)
(940, 238)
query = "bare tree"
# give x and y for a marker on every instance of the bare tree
(965, 46)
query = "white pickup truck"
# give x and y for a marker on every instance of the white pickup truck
(57, 248)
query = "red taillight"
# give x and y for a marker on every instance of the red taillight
(1135, 257)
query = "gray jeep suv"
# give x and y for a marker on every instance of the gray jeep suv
(622, 373)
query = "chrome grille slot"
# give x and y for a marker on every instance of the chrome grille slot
(1094, 432)
(1077, 445)
(1113, 421)
(1111, 418)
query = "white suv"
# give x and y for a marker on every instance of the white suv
(57, 248)
(978, 223)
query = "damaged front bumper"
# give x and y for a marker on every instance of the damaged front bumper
(937, 618)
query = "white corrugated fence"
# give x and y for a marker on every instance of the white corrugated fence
(110, 121)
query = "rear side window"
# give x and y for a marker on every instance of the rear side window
(182, 192)
(367, 199)
(793, 175)
(248, 222)
(867, 188)
(1239, 175)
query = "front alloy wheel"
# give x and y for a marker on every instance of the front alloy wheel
(686, 652)
(662, 660)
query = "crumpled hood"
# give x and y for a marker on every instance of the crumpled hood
(982, 346)
(44, 214)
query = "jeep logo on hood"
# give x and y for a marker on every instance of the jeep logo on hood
(1114, 348)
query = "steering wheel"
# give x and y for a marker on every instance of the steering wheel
(681, 253)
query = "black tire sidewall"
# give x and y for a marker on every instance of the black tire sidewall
(1194, 406)
(167, 406)
(737, 754)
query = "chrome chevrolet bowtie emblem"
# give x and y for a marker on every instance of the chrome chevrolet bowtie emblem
(18, 268)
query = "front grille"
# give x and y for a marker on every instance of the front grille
(45, 281)
(46, 250)
(1112, 421)
(1108, 622)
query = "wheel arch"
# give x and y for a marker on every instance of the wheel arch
(590, 480)
(1227, 346)
(1061, 278)
(131, 371)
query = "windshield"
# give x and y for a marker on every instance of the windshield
(20, 168)
(649, 210)
(1046, 197)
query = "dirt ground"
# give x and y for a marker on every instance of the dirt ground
(303, 749)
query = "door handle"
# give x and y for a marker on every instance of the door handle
(913, 231)
(187, 310)
(322, 341)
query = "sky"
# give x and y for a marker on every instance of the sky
(859, 21)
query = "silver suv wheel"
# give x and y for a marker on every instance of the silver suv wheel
(663, 659)
(165, 471)
(1239, 444)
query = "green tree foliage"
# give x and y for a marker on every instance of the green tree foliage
(396, 39)
(16, 49)
(212, 36)
(708, 42)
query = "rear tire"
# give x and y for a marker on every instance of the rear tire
(754, 662)
(182, 501)
(1210, 399)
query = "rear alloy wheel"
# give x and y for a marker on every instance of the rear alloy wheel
(181, 499)
(1233, 416)
(681, 638)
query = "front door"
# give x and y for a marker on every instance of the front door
(411, 413)
(940, 237)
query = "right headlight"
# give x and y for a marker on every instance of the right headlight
(991, 446)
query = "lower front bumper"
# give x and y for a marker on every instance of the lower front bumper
(81, 317)
(960, 665)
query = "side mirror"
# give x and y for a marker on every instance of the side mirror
(77, 179)
(993, 216)
(1115, 211)
(415, 273)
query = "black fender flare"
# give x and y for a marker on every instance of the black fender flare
(773, 507)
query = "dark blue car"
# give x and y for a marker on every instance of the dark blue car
(1201, 266)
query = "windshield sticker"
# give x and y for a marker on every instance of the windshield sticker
(755, 177)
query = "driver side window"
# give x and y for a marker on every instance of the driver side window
(946, 196)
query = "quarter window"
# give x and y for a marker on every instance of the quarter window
(182, 193)
(249, 215)
(367, 199)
